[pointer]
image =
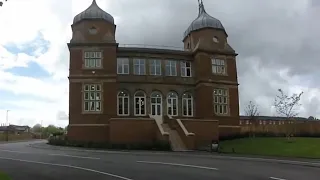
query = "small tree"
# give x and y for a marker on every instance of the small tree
(252, 111)
(286, 106)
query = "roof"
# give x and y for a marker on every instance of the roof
(204, 20)
(93, 12)
(276, 118)
(14, 128)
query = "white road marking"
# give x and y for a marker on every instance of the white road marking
(65, 155)
(81, 157)
(68, 166)
(175, 164)
(276, 178)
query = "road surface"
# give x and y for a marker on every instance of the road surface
(20, 161)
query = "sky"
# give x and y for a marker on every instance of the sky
(278, 43)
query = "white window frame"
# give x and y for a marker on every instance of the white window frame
(92, 59)
(155, 64)
(171, 68)
(122, 99)
(156, 95)
(187, 99)
(185, 69)
(139, 107)
(122, 64)
(92, 97)
(221, 101)
(141, 64)
(172, 96)
(218, 66)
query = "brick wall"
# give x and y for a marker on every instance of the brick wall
(132, 130)
(205, 130)
(88, 133)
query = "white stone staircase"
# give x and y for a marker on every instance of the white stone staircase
(174, 138)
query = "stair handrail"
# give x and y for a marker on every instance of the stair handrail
(184, 129)
(159, 126)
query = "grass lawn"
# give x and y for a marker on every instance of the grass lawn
(295, 147)
(4, 177)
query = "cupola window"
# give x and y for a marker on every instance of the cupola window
(93, 30)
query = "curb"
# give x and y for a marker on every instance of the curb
(19, 141)
(191, 154)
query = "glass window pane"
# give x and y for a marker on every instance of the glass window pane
(92, 106)
(92, 96)
(87, 55)
(86, 87)
(188, 73)
(98, 62)
(86, 106)
(98, 96)
(126, 105)
(86, 96)
(98, 106)
(126, 69)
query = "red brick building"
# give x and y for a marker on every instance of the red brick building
(123, 94)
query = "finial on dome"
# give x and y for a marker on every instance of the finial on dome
(94, 2)
(201, 7)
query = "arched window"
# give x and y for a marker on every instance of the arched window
(187, 104)
(139, 103)
(156, 103)
(123, 103)
(172, 104)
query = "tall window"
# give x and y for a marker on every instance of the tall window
(92, 59)
(187, 104)
(123, 103)
(139, 103)
(220, 97)
(156, 103)
(171, 68)
(186, 69)
(172, 104)
(218, 66)
(92, 97)
(155, 67)
(123, 65)
(139, 67)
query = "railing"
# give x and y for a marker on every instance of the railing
(152, 46)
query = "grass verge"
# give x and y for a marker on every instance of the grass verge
(4, 176)
(297, 147)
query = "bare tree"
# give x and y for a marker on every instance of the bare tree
(252, 112)
(286, 106)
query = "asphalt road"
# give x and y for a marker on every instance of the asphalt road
(20, 161)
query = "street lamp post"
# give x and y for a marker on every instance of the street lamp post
(41, 130)
(7, 122)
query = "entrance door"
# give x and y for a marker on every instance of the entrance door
(156, 104)
(139, 103)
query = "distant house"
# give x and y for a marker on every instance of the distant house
(270, 120)
(14, 129)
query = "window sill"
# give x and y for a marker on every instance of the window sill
(86, 112)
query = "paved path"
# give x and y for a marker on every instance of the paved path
(20, 161)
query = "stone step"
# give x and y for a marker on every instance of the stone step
(175, 140)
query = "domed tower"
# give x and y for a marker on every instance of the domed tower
(92, 72)
(205, 29)
(215, 70)
(93, 25)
